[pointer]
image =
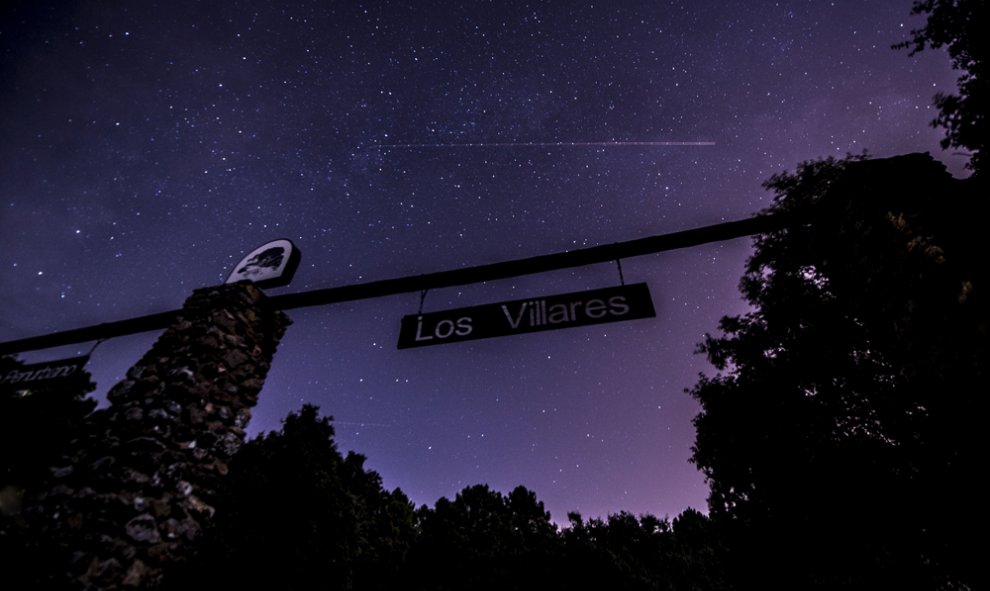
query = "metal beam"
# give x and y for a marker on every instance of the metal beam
(373, 289)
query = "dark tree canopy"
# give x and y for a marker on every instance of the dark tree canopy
(959, 26)
(485, 540)
(840, 438)
(639, 553)
(40, 428)
(296, 514)
(38, 424)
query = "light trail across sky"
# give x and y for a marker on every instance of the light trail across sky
(545, 144)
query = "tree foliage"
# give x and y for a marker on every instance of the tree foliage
(296, 514)
(485, 540)
(840, 437)
(39, 424)
(40, 428)
(960, 27)
(626, 552)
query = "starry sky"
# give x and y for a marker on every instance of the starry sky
(145, 147)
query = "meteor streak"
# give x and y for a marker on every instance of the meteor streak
(544, 144)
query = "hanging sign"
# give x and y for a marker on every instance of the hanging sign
(612, 304)
(270, 265)
(44, 374)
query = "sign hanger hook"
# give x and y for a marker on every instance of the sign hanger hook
(95, 345)
(422, 298)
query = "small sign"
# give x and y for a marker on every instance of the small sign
(613, 304)
(270, 265)
(44, 374)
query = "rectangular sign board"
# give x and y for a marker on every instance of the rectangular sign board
(584, 308)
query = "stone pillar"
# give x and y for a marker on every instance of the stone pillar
(141, 491)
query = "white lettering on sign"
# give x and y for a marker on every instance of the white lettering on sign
(39, 373)
(444, 329)
(537, 313)
(47, 373)
(611, 304)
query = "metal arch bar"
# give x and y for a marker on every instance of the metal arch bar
(373, 289)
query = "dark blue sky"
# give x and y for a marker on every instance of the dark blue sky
(145, 147)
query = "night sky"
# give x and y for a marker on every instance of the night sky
(145, 147)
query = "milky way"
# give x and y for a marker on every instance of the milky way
(146, 147)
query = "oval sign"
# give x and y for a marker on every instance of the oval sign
(270, 265)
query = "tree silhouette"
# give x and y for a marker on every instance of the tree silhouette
(626, 552)
(295, 514)
(41, 427)
(38, 424)
(485, 540)
(622, 552)
(960, 27)
(840, 438)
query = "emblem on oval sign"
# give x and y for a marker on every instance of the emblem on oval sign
(272, 264)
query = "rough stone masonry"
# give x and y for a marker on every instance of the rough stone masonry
(134, 497)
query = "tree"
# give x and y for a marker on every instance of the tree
(40, 429)
(485, 540)
(626, 552)
(840, 437)
(295, 514)
(960, 27)
(620, 552)
(38, 425)
(695, 558)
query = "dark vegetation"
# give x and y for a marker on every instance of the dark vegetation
(299, 515)
(841, 436)
(39, 427)
(44, 420)
(959, 27)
